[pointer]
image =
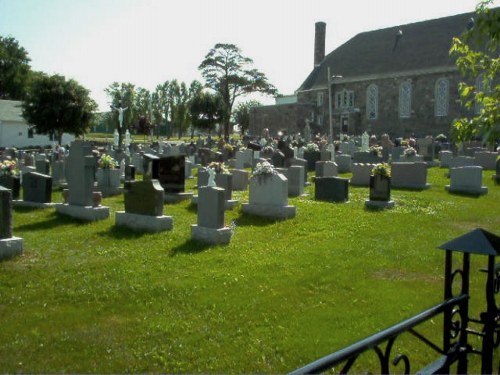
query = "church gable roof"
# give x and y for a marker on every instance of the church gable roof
(415, 46)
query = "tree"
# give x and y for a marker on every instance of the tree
(206, 110)
(14, 69)
(477, 58)
(230, 75)
(55, 106)
(241, 114)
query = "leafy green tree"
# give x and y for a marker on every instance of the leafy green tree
(231, 75)
(55, 106)
(14, 69)
(206, 110)
(477, 58)
(241, 114)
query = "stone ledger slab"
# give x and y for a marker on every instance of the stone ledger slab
(144, 223)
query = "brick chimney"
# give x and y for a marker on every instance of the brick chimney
(319, 43)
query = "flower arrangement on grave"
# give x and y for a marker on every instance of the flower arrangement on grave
(441, 138)
(264, 169)
(405, 143)
(218, 168)
(229, 148)
(409, 152)
(375, 150)
(382, 169)
(8, 168)
(312, 147)
(267, 150)
(345, 138)
(107, 162)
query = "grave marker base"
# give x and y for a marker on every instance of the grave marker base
(87, 213)
(379, 204)
(177, 197)
(467, 190)
(144, 222)
(274, 212)
(211, 235)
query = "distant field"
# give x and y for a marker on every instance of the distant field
(95, 298)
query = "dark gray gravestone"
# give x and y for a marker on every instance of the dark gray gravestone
(5, 213)
(151, 166)
(225, 181)
(13, 183)
(366, 157)
(278, 159)
(42, 164)
(380, 188)
(130, 172)
(171, 173)
(37, 187)
(211, 207)
(312, 158)
(202, 177)
(331, 189)
(80, 171)
(144, 198)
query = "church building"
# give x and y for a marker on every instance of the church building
(399, 80)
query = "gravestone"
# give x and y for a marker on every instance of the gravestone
(130, 172)
(108, 181)
(210, 226)
(344, 163)
(486, 159)
(240, 179)
(331, 189)
(58, 173)
(326, 169)
(445, 158)
(295, 177)
(278, 159)
(425, 147)
(144, 207)
(302, 163)
(312, 157)
(361, 173)
(188, 169)
(42, 164)
(365, 142)
(37, 187)
(80, 177)
(9, 246)
(366, 157)
(410, 175)
(397, 153)
(171, 175)
(462, 161)
(496, 176)
(467, 180)
(268, 197)
(380, 192)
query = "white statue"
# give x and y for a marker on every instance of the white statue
(211, 177)
(120, 114)
(307, 132)
(127, 138)
(365, 142)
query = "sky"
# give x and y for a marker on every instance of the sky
(146, 42)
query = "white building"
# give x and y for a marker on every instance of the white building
(15, 131)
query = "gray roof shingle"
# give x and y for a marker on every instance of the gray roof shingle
(10, 110)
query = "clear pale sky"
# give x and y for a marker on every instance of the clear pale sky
(147, 42)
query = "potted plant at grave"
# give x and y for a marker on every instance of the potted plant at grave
(380, 183)
(218, 168)
(9, 177)
(441, 138)
(312, 155)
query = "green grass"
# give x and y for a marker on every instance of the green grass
(95, 298)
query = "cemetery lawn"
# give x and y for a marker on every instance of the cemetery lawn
(95, 298)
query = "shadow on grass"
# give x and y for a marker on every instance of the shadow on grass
(254, 220)
(55, 220)
(190, 247)
(192, 208)
(465, 195)
(121, 232)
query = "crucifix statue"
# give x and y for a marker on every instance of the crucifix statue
(120, 110)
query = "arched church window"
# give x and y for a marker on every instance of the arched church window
(441, 97)
(372, 102)
(405, 100)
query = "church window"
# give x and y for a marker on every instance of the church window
(344, 99)
(31, 133)
(372, 102)
(320, 98)
(405, 100)
(441, 97)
